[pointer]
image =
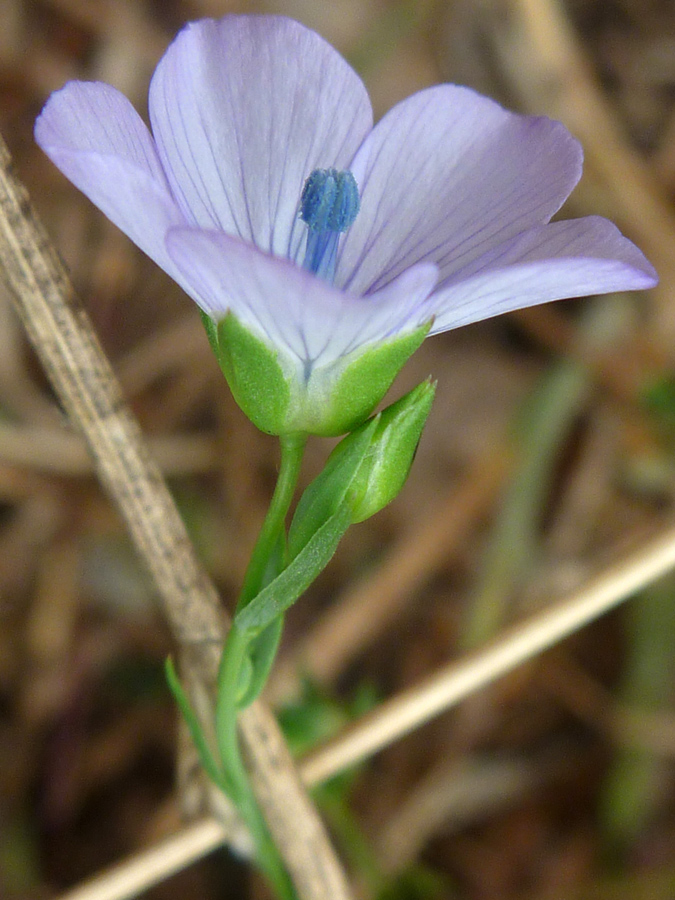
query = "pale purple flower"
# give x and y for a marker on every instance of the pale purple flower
(456, 193)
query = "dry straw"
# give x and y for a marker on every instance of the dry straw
(62, 335)
(412, 708)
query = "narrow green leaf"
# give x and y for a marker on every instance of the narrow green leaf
(326, 494)
(262, 652)
(198, 737)
(297, 577)
(244, 678)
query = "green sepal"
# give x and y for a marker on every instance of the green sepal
(211, 330)
(279, 399)
(361, 385)
(256, 378)
(391, 451)
(261, 654)
(206, 757)
(326, 494)
(282, 593)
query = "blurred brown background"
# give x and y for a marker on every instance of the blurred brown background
(551, 441)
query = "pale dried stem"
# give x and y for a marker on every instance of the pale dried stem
(458, 680)
(443, 690)
(63, 337)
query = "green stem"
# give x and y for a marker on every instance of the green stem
(292, 450)
(236, 777)
(235, 658)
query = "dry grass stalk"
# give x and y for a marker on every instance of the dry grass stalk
(412, 708)
(152, 866)
(62, 336)
(458, 680)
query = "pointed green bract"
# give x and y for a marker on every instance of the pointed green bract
(367, 469)
(254, 374)
(211, 330)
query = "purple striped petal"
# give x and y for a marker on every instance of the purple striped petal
(574, 258)
(447, 175)
(311, 322)
(97, 139)
(243, 109)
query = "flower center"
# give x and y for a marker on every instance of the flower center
(328, 205)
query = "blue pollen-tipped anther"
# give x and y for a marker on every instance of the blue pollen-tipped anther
(330, 200)
(328, 205)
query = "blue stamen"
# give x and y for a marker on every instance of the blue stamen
(328, 205)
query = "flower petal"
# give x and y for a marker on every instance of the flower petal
(445, 176)
(93, 134)
(313, 323)
(552, 262)
(243, 109)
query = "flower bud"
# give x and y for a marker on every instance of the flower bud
(366, 470)
(392, 448)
